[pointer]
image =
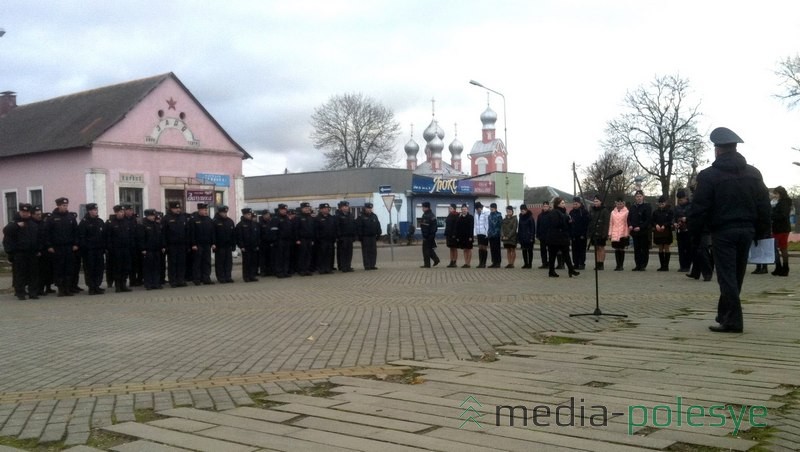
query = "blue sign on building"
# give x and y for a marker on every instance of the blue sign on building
(220, 180)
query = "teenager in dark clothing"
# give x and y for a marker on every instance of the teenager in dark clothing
(526, 234)
(558, 237)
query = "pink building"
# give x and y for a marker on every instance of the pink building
(144, 142)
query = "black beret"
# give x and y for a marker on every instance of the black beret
(25, 207)
(37, 209)
(367, 205)
(247, 210)
(91, 206)
(305, 204)
(324, 205)
(282, 206)
(222, 209)
(202, 205)
(478, 205)
(662, 198)
(60, 201)
(453, 205)
(493, 205)
(576, 199)
(117, 208)
(426, 204)
(175, 205)
(344, 203)
(149, 212)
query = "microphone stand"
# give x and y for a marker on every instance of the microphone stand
(597, 312)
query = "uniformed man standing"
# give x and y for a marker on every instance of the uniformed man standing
(62, 242)
(732, 202)
(92, 243)
(176, 238)
(224, 243)
(45, 275)
(428, 227)
(247, 239)
(369, 231)
(21, 243)
(136, 277)
(201, 238)
(265, 248)
(150, 243)
(283, 231)
(326, 236)
(304, 239)
(119, 238)
(345, 235)
(682, 232)
(639, 220)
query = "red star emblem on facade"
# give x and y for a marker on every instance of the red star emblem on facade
(171, 102)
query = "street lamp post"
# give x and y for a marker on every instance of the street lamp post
(505, 128)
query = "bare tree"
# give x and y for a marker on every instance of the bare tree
(608, 163)
(789, 74)
(355, 131)
(659, 130)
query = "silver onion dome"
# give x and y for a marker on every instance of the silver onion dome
(433, 130)
(436, 145)
(411, 148)
(456, 148)
(488, 118)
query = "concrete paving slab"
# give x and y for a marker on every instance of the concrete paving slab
(179, 439)
(146, 446)
(223, 419)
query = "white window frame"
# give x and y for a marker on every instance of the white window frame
(30, 199)
(5, 206)
(499, 164)
(481, 162)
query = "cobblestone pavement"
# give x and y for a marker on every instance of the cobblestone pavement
(73, 364)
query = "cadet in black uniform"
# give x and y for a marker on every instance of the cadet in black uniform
(265, 248)
(732, 202)
(224, 243)
(150, 243)
(62, 242)
(326, 236)
(120, 236)
(92, 243)
(428, 227)
(21, 243)
(109, 257)
(201, 238)
(345, 235)
(247, 239)
(45, 275)
(136, 257)
(369, 231)
(639, 226)
(176, 237)
(304, 238)
(283, 232)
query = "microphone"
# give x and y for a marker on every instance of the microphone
(613, 175)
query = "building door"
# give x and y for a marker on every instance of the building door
(174, 196)
(132, 196)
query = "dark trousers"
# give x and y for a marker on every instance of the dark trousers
(110, 269)
(93, 267)
(63, 266)
(325, 256)
(494, 250)
(76, 269)
(641, 249)
(176, 267)
(201, 264)
(249, 264)
(702, 262)
(543, 252)
(731, 248)
(265, 259)
(151, 269)
(579, 251)
(344, 250)
(281, 256)
(369, 251)
(223, 263)
(553, 251)
(122, 264)
(25, 273)
(429, 251)
(304, 255)
(45, 274)
(137, 271)
(527, 253)
(684, 249)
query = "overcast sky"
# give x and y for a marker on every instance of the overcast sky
(262, 67)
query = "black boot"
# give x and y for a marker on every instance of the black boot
(778, 267)
(619, 255)
(482, 255)
(661, 259)
(667, 257)
(785, 269)
(452, 264)
(601, 266)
